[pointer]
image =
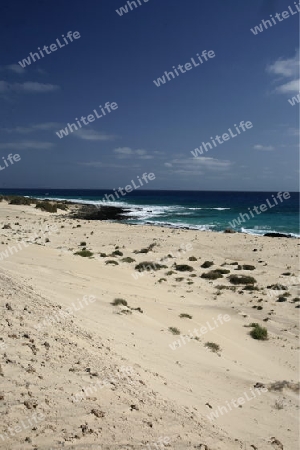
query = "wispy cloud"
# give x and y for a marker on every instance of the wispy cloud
(286, 69)
(16, 68)
(266, 148)
(127, 152)
(198, 165)
(92, 135)
(26, 88)
(24, 145)
(47, 126)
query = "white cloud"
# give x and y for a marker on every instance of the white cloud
(286, 68)
(32, 128)
(198, 165)
(24, 145)
(91, 135)
(127, 152)
(16, 68)
(264, 147)
(27, 87)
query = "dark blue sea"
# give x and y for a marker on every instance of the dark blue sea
(198, 210)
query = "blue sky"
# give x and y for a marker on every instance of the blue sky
(154, 128)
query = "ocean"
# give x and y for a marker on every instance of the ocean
(197, 210)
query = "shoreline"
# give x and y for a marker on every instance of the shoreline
(119, 214)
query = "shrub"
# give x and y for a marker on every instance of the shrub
(103, 255)
(259, 332)
(250, 288)
(207, 264)
(46, 206)
(221, 271)
(183, 268)
(170, 272)
(21, 201)
(141, 267)
(212, 346)
(128, 259)
(212, 275)
(83, 244)
(111, 261)
(117, 253)
(147, 249)
(185, 316)
(162, 279)
(192, 258)
(281, 299)
(119, 301)
(241, 279)
(179, 279)
(62, 206)
(174, 330)
(84, 253)
(277, 287)
(248, 267)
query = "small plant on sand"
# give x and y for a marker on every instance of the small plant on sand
(83, 244)
(103, 255)
(162, 279)
(192, 258)
(221, 271)
(179, 279)
(174, 330)
(212, 346)
(277, 287)
(111, 261)
(117, 253)
(119, 301)
(128, 259)
(183, 268)
(141, 267)
(241, 279)
(170, 272)
(248, 267)
(207, 264)
(212, 275)
(259, 333)
(84, 253)
(46, 206)
(185, 316)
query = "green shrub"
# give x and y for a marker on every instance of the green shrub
(221, 271)
(179, 279)
(212, 275)
(128, 259)
(162, 279)
(281, 299)
(248, 267)
(185, 316)
(250, 288)
(111, 261)
(207, 264)
(116, 253)
(277, 287)
(62, 206)
(83, 244)
(241, 279)
(259, 333)
(119, 301)
(21, 201)
(212, 346)
(192, 258)
(183, 268)
(174, 330)
(170, 272)
(84, 253)
(46, 206)
(141, 267)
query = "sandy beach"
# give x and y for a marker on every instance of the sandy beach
(78, 372)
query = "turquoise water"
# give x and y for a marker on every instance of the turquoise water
(201, 210)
